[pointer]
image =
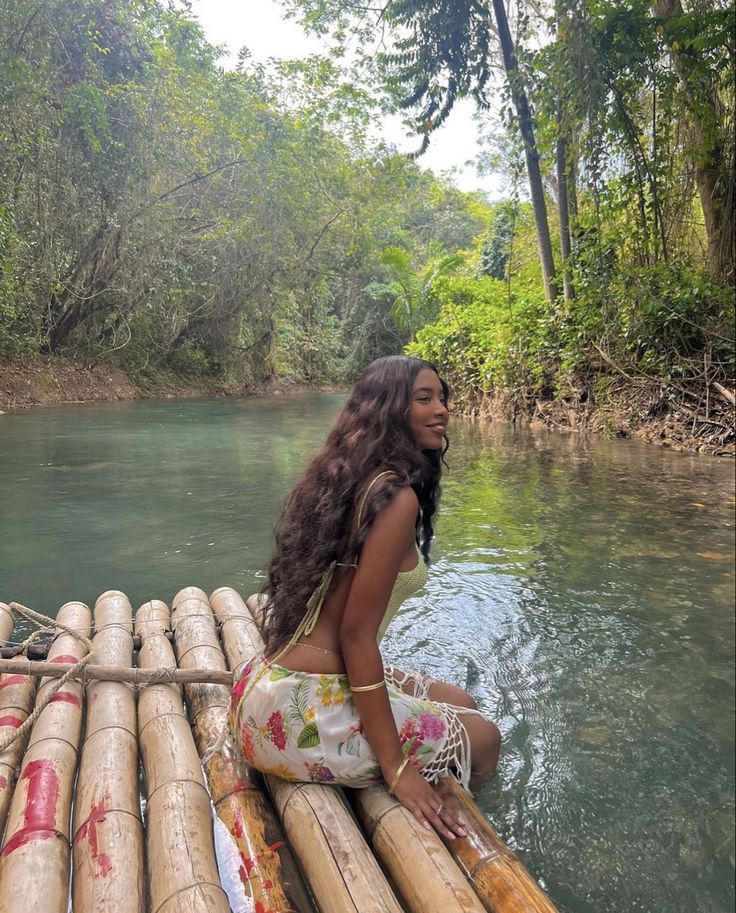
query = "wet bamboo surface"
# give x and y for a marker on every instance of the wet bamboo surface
(213, 839)
(267, 877)
(109, 872)
(17, 694)
(183, 876)
(36, 852)
(427, 878)
(498, 876)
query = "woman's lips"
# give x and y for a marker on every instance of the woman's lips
(438, 429)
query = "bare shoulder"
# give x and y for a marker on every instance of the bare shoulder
(402, 507)
(393, 526)
(405, 500)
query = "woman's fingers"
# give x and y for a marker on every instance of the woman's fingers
(431, 814)
(452, 819)
(445, 821)
(440, 826)
(428, 808)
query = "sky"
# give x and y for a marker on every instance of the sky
(259, 25)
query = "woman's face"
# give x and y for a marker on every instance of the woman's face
(428, 415)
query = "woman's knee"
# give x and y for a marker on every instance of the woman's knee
(485, 745)
(446, 693)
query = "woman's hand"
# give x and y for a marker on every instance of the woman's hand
(416, 795)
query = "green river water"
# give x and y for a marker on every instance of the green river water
(581, 589)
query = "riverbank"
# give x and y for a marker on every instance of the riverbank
(55, 381)
(697, 421)
(619, 408)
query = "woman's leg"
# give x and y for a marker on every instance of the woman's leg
(484, 736)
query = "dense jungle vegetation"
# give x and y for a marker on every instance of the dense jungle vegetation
(165, 214)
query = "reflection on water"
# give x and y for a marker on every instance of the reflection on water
(582, 590)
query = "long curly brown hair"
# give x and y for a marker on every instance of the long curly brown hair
(317, 523)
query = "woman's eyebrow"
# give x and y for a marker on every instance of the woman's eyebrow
(426, 390)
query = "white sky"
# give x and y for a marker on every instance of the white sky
(259, 25)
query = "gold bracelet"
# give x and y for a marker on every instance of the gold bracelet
(397, 775)
(380, 684)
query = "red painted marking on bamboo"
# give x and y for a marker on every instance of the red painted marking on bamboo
(250, 864)
(262, 908)
(243, 872)
(13, 680)
(238, 829)
(65, 697)
(39, 813)
(64, 658)
(98, 813)
(3, 781)
(10, 720)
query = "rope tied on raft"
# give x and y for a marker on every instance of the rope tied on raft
(44, 626)
(86, 671)
(38, 710)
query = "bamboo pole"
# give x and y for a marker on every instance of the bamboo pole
(498, 876)
(424, 872)
(34, 861)
(16, 702)
(134, 675)
(264, 874)
(342, 872)
(32, 651)
(182, 870)
(109, 873)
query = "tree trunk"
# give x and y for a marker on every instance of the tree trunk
(714, 174)
(526, 128)
(563, 206)
(90, 278)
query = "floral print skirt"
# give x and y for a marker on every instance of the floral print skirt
(304, 726)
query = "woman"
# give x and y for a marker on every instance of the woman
(352, 543)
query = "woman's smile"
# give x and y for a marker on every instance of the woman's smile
(428, 413)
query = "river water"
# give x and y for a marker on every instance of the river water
(581, 589)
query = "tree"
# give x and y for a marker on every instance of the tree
(170, 215)
(443, 51)
(701, 64)
(412, 292)
(495, 250)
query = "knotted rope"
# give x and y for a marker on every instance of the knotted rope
(45, 625)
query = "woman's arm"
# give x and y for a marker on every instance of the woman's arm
(388, 541)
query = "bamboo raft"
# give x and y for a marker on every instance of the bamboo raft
(118, 794)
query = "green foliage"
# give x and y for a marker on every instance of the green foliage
(412, 293)
(172, 216)
(485, 338)
(495, 250)
(500, 337)
(14, 335)
(159, 211)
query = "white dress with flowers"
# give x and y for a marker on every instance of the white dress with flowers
(304, 726)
